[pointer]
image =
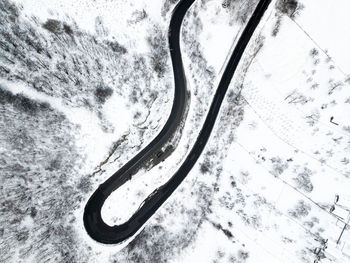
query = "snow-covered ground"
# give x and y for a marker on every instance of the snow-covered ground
(263, 189)
(288, 161)
(78, 81)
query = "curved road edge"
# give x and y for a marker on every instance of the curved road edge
(93, 222)
(92, 215)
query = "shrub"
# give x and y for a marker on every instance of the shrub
(167, 5)
(84, 184)
(20, 102)
(314, 52)
(159, 52)
(67, 29)
(290, 8)
(205, 166)
(303, 180)
(11, 10)
(278, 166)
(243, 254)
(116, 47)
(102, 94)
(57, 27)
(300, 210)
(277, 26)
(53, 26)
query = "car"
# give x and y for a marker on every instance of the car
(160, 153)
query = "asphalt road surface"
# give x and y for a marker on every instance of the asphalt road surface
(93, 222)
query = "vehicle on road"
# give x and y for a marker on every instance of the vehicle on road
(160, 153)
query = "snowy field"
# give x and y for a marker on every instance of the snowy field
(85, 85)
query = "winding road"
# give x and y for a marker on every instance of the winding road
(93, 222)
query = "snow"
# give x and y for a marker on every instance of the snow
(272, 127)
(122, 203)
(276, 161)
(115, 16)
(217, 43)
(91, 139)
(332, 18)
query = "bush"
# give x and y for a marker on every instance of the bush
(84, 184)
(116, 47)
(277, 26)
(53, 26)
(300, 210)
(11, 10)
(314, 52)
(278, 166)
(205, 166)
(159, 51)
(57, 27)
(102, 94)
(243, 254)
(290, 8)
(67, 29)
(167, 5)
(303, 180)
(20, 102)
(240, 10)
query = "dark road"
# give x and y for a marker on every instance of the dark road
(93, 222)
